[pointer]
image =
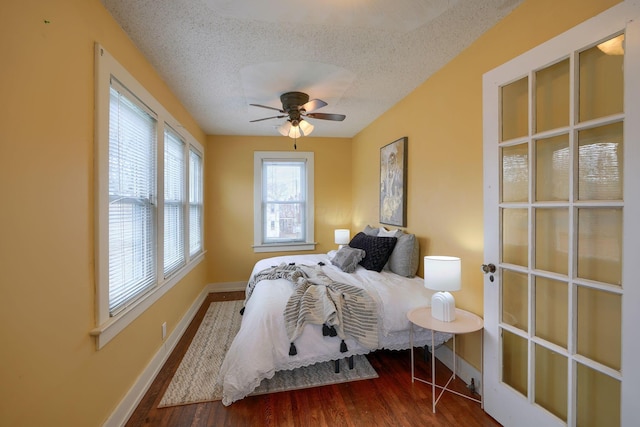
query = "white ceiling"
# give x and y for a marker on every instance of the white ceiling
(360, 56)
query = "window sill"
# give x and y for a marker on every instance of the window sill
(285, 247)
(112, 327)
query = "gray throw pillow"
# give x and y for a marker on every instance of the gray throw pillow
(347, 258)
(370, 231)
(405, 258)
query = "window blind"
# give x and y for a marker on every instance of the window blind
(195, 202)
(132, 255)
(174, 200)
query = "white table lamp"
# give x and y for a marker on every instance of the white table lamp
(342, 237)
(442, 274)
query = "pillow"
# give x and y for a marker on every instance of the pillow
(370, 231)
(347, 258)
(378, 250)
(383, 232)
(405, 258)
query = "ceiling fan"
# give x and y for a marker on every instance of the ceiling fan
(297, 106)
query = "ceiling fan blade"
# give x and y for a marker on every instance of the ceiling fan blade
(266, 106)
(313, 105)
(326, 116)
(267, 118)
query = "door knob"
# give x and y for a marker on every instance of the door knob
(489, 269)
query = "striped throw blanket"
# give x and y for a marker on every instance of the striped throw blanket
(346, 310)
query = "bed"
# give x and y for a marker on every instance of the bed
(262, 345)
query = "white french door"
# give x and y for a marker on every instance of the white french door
(562, 213)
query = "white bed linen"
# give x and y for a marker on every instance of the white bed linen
(261, 346)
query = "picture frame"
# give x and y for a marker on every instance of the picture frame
(393, 183)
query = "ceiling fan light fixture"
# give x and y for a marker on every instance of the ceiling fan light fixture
(305, 127)
(298, 129)
(284, 128)
(295, 132)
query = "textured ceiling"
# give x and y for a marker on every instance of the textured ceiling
(360, 56)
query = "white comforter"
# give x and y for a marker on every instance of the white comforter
(261, 347)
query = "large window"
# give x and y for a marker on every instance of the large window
(149, 208)
(283, 201)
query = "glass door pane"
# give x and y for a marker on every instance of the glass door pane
(600, 244)
(552, 310)
(515, 237)
(601, 80)
(599, 326)
(515, 109)
(552, 240)
(551, 381)
(515, 299)
(552, 97)
(514, 361)
(552, 169)
(597, 398)
(515, 173)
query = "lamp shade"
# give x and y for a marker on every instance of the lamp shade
(284, 128)
(341, 236)
(305, 127)
(442, 273)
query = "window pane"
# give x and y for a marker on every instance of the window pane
(552, 240)
(515, 236)
(600, 163)
(552, 302)
(552, 96)
(195, 203)
(515, 109)
(515, 299)
(515, 173)
(551, 381)
(599, 326)
(284, 201)
(552, 169)
(600, 245)
(601, 80)
(514, 361)
(598, 399)
(174, 164)
(131, 213)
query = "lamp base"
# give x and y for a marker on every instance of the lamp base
(443, 307)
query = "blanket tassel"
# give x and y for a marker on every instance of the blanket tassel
(343, 347)
(292, 350)
(241, 311)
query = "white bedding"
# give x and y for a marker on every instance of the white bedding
(261, 346)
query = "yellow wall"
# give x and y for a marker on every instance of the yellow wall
(443, 120)
(229, 198)
(50, 372)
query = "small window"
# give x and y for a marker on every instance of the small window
(283, 201)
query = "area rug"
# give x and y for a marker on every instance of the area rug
(194, 380)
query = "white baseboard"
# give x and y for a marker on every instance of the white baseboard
(463, 369)
(133, 397)
(227, 286)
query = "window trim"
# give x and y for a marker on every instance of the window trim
(108, 326)
(258, 158)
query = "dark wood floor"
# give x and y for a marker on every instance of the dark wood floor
(390, 400)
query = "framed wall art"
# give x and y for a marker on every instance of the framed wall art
(393, 183)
